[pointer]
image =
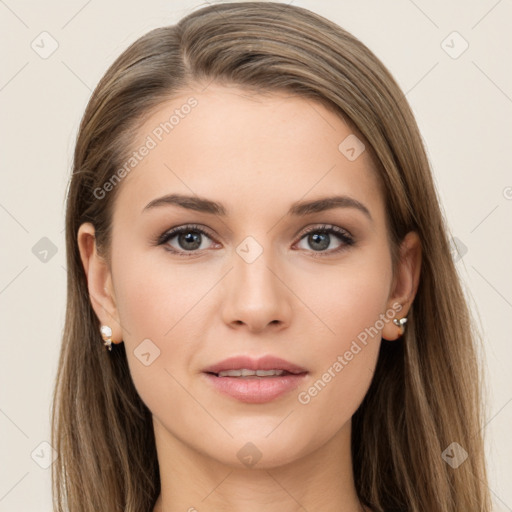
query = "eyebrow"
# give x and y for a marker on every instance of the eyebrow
(299, 208)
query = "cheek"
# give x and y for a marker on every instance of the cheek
(350, 297)
(158, 309)
(353, 306)
(155, 296)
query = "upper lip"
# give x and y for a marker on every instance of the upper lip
(249, 363)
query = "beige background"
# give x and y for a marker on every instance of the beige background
(463, 106)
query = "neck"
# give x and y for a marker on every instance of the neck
(319, 480)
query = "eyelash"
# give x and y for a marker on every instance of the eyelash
(342, 234)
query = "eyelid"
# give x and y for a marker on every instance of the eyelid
(172, 232)
(324, 227)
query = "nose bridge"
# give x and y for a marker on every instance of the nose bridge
(255, 296)
(252, 263)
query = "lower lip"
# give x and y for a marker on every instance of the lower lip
(256, 390)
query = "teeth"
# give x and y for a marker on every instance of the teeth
(248, 373)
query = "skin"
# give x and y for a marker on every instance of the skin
(256, 154)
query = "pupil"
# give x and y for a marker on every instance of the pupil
(323, 240)
(190, 238)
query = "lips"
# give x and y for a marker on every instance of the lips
(263, 364)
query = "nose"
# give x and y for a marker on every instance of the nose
(256, 296)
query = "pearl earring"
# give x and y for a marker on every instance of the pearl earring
(106, 334)
(401, 324)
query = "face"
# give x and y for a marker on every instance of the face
(257, 277)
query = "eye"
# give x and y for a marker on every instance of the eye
(320, 238)
(188, 239)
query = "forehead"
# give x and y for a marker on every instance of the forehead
(250, 151)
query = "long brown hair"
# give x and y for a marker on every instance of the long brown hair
(425, 394)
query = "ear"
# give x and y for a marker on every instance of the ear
(99, 281)
(405, 282)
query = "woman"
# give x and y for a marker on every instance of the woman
(263, 312)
